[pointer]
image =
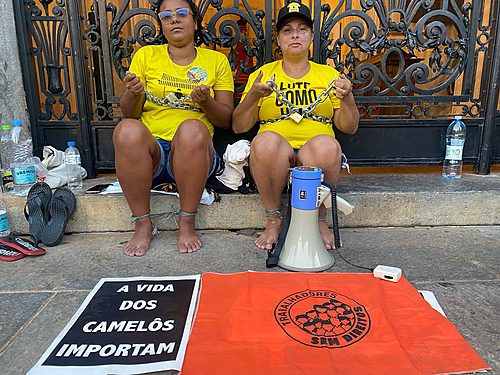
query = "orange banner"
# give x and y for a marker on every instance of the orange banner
(302, 323)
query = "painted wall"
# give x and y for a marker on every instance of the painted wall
(12, 94)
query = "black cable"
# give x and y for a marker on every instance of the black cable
(273, 255)
(335, 218)
(335, 229)
(352, 264)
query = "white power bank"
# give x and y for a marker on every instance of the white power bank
(387, 273)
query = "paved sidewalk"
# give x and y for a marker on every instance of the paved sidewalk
(460, 265)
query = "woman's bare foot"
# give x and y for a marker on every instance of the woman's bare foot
(188, 241)
(139, 243)
(270, 235)
(326, 235)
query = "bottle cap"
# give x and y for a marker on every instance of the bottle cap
(17, 122)
(71, 143)
(6, 127)
(458, 117)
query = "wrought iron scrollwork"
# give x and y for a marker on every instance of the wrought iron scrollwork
(145, 32)
(222, 30)
(228, 34)
(49, 31)
(389, 49)
(401, 33)
(408, 59)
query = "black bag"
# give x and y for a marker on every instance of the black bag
(248, 184)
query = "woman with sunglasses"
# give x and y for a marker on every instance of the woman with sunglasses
(287, 139)
(175, 94)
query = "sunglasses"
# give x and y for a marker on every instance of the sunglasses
(167, 15)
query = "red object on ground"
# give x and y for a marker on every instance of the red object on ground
(8, 254)
(303, 323)
(23, 245)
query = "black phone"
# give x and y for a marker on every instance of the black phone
(97, 189)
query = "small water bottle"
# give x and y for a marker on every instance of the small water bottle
(22, 165)
(5, 155)
(455, 139)
(73, 166)
(4, 222)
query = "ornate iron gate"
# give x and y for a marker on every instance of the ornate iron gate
(414, 64)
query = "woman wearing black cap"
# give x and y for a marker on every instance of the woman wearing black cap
(287, 139)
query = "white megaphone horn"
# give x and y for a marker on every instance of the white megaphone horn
(303, 249)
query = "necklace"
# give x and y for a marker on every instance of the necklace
(173, 60)
(194, 74)
(184, 71)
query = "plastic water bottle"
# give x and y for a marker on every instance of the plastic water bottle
(22, 165)
(5, 155)
(73, 166)
(4, 222)
(455, 139)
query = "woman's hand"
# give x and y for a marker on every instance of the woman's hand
(347, 117)
(259, 89)
(200, 93)
(133, 84)
(343, 87)
(133, 99)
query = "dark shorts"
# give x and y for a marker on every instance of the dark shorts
(164, 172)
(344, 164)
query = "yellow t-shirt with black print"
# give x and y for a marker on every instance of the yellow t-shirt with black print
(301, 92)
(161, 76)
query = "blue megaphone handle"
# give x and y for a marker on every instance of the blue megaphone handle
(305, 184)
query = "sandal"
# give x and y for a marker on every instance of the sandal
(23, 244)
(8, 254)
(67, 196)
(61, 207)
(36, 207)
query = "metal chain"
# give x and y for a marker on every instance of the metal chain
(322, 96)
(297, 113)
(280, 96)
(171, 100)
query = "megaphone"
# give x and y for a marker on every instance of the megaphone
(303, 249)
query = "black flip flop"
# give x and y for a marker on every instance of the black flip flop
(36, 207)
(27, 246)
(67, 196)
(8, 254)
(61, 207)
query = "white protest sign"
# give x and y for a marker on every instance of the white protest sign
(126, 326)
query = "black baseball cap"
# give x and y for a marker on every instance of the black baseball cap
(293, 9)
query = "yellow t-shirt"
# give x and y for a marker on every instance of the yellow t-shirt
(301, 92)
(161, 76)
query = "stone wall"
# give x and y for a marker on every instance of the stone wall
(12, 94)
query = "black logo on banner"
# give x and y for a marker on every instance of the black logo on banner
(322, 318)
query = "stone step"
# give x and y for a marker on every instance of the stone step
(379, 200)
